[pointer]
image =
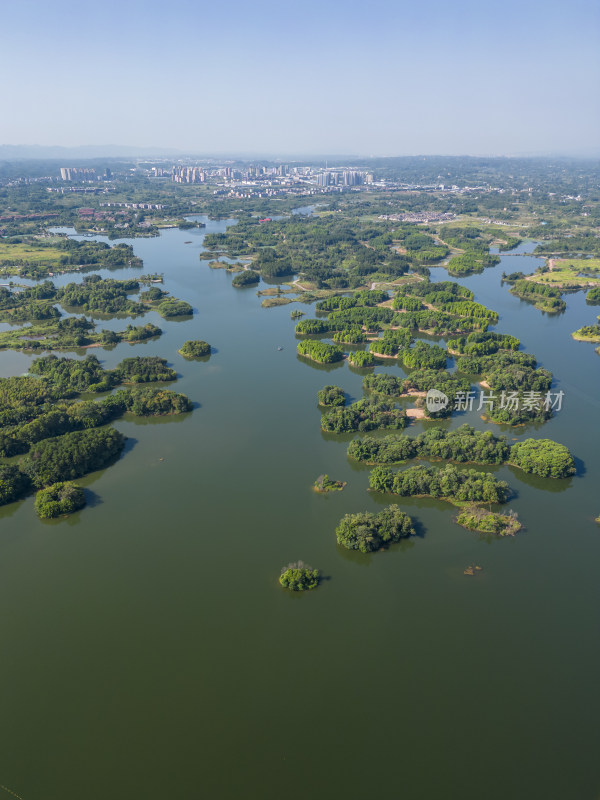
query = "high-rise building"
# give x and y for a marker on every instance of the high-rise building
(77, 173)
(188, 175)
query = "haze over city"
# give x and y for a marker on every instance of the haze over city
(384, 78)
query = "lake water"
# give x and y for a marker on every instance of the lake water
(148, 651)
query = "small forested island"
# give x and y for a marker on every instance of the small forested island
(330, 396)
(175, 308)
(463, 445)
(543, 457)
(299, 577)
(320, 352)
(195, 348)
(364, 415)
(361, 359)
(144, 369)
(588, 333)
(247, 277)
(474, 518)
(447, 483)
(593, 296)
(367, 531)
(324, 484)
(59, 499)
(541, 295)
(69, 375)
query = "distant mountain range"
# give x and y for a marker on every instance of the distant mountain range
(16, 152)
(11, 152)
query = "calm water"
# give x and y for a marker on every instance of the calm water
(148, 652)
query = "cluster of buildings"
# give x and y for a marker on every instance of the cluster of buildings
(186, 175)
(420, 216)
(153, 206)
(343, 178)
(260, 180)
(80, 174)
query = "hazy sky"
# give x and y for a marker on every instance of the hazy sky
(374, 77)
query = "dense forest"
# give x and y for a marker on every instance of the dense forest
(448, 483)
(364, 415)
(465, 444)
(367, 531)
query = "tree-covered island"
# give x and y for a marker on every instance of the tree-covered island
(59, 499)
(325, 484)
(367, 531)
(331, 396)
(195, 348)
(448, 483)
(299, 577)
(474, 518)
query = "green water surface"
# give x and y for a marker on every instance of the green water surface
(148, 652)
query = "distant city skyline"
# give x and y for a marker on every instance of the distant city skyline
(387, 79)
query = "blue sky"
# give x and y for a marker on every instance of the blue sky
(369, 78)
